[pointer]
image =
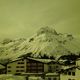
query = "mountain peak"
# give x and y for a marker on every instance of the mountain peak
(46, 30)
(45, 42)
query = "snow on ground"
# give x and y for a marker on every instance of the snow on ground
(11, 77)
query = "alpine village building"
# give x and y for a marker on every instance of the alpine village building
(47, 69)
(71, 72)
(44, 68)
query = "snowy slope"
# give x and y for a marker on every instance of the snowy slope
(46, 41)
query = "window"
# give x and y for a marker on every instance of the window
(34, 68)
(50, 69)
(49, 78)
(9, 66)
(73, 73)
(22, 59)
(40, 67)
(17, 70)
(22, 66)
(54, 78)
(17, 66)
(65, 73)
(9, 70)
(69, 73)
(20, 62)
(57, 67)
(40, 64)
(28, 64)
(22, 70)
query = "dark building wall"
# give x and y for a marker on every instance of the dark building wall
(34, 66)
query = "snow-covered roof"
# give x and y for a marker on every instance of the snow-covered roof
(42, 60)
(46, 74)
(36, 59)
(69, 67)
(52, 74)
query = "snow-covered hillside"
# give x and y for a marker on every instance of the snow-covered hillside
(46, 41)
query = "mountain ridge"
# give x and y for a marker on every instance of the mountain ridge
(46, 41)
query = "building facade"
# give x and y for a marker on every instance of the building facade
(16, 67)
(72, 73)
(34, 66)
(28, 65)
(44, 68)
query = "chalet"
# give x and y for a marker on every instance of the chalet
(70, 73)
(2, 69)
(29, 65)
(45, 68)
(47, 65)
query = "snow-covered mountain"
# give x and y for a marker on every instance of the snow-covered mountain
(46, 41)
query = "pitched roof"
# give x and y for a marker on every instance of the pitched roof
(35, 59)
(42, 60)
(1, 66)
(69, 68)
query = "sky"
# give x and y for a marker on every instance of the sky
(22, 18)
